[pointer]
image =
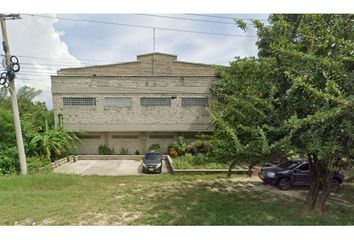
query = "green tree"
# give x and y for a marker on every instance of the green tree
(40, 137)
(295, 97)
(54, 142)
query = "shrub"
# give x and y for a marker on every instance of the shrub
(137, 152)
(178, 148)
(37, 162)
(104, 150)
(154, 147)
(8, 165)
(200, 146)
(123, 151)
(188, 161)
(9, 162)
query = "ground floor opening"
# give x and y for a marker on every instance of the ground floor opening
(131, 142)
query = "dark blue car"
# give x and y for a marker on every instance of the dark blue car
(152, 163)
(294, 172)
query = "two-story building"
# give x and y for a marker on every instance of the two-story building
(134, 104)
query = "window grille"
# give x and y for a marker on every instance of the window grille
(79, 101)
(117, 102)
(125, 137)
(189, 102)
(161, 136)
(155, 101)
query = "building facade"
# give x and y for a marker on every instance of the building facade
(134, 104)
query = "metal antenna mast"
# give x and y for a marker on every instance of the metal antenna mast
(153, 44)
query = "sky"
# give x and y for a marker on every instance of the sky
(46, 44)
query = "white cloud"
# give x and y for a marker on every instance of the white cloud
(123, 43)
(36, 37)
(50, 38)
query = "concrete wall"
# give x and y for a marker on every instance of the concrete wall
(152, 75)
(133, 118)
(158, 64)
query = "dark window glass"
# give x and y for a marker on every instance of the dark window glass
(161, 136)
(124, 137)
(152, 156)
(90, 137)
(304, 167)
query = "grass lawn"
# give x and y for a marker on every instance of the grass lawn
(55, 199)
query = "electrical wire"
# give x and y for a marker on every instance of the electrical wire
(62, 59)
(187, 19)
(232, 18)
(142, 26)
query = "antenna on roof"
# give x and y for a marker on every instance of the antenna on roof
(153, 43)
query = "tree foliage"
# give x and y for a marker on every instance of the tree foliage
(40, 136)
(296, 97)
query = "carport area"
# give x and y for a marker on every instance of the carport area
(104, 167)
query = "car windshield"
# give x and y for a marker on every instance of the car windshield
(152, 157)
(289, 165)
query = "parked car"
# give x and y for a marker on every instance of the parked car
(294, 172)
(152, 163)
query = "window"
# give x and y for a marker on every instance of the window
(304, 167)
(117, 102)
(161, 136)
(90, 137)
(124, 137)
(189, 102)
(79, 101)
(155, 101)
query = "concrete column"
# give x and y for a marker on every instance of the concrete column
(143, 142)
(106, 139)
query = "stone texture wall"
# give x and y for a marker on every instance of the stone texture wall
(157, 64)
(159, 75)
(135, 117)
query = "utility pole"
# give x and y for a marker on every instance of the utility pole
(12, 89)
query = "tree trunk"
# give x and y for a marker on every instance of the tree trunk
(312, 195)
(326, 191)
(232, 165)
(314, 189)
(320, 177)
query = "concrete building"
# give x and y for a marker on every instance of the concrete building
(134, 104)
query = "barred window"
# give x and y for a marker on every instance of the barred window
(161, 136)
(125, 137)
(117, 102)
(188, 102)
(79, 101)
(155, 101)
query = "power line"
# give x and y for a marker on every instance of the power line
(48, 64)
(232, 18)
(142, 26)
(63, 59)
(188, 19)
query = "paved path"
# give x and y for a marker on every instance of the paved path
(104, 167)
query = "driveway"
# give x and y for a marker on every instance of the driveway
(104, 167)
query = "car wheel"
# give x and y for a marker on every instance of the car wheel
(335, 185)
(284, 183)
